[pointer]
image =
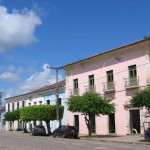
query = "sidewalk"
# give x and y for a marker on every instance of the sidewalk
(130, 139)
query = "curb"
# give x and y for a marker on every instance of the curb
(101, 140)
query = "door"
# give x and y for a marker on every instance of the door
(112, 123)
(135, 121)
(76, 121)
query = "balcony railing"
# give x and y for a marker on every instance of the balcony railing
(131, 82)
(109, 86)
(90, 88)
(74, 92)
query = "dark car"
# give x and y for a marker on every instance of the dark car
(38, 130)
(66, 131)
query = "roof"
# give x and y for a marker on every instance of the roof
(115, 49)
(44, 88)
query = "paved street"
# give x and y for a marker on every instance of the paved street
(10, 141)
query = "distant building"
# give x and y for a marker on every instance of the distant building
(2, 112)
(45, 95)
(117, 74)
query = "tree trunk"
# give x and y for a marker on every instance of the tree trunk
(88, 124)
(25, 127)
(48, 127)
(10, 126)
(18, 126)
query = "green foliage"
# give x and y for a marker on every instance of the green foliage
(40, 112)
(16, 114)
(142, 98)
(146, 37)
(91, 103)
(9, 116)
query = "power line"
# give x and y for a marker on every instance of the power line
(106, 76)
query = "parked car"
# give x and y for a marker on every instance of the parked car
(66, 131)
(38, 130)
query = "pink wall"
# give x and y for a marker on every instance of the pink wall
(132, 55)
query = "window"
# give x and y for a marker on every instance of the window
(17, 105)
(133, 80)
(110, 80)
(29, 104)
(91, 87)
(110, 77)
(48, 102)
(12, 106)
(59, 101)
(22, 103)
(40, 102)
(91, 80)
(75, 87)
(8, 107)
(75, 83)
(34, 103)
(132, 71)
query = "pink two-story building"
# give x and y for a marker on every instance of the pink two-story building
(117, 74)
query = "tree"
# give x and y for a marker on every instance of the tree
(17, 116)
(9, 116)
(41, 112)
(146, 37)
(90, 104)
(142, 99)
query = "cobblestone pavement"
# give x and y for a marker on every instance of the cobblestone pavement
(22, 141)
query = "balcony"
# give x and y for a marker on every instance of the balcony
(74, 92)
(132, 82)
(109, 87)
(90, 88)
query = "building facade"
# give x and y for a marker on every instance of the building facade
(42, 96)
(115, 74)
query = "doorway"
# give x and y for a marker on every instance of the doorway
(76, 121)
(112, 123)
(135, 121)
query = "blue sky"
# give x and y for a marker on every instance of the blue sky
(37, 33)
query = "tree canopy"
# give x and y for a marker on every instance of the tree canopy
(41, 112)
(142, 99)
(90, 104)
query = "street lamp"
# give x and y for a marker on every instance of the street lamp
(57, 93)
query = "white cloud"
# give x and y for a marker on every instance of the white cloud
(35, 81)
(8, 76)
(17, 28)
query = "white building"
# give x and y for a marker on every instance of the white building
(45, 95)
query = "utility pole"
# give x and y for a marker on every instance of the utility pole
(1, 98)
(57, 93)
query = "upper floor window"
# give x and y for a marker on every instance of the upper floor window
(40, 102)
(17, 105)
(132, 71)
(22, 103)
(59, 101)
(91, 80)
(110, 77)
(8, 107)
(48, 102)
(12, 106)
(75, 83)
